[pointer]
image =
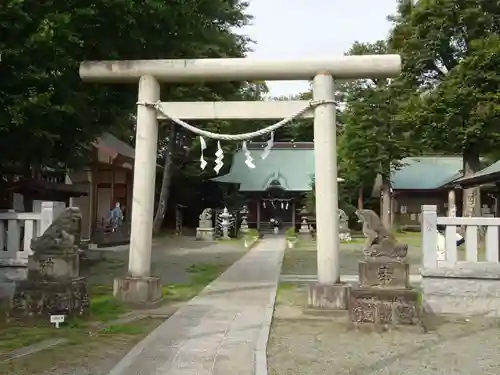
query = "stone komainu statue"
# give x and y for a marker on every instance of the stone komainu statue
(379, 241)
(63, 235)
(206, 214)
(343, 218)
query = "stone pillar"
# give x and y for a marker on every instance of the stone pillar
(50, 211)
(325, 153)
(452, 207)
(138, 286)
(328, 293)
(293, 215)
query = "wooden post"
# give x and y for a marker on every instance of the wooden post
(258, 213)
(452, 207)
(113, 182)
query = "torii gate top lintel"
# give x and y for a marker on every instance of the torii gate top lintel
(240, 69)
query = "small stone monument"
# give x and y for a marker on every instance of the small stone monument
(344, 231)
(205, 230)
(225, 223)
(244, 223)
(384, 296)
(304, 225)
(53, 286)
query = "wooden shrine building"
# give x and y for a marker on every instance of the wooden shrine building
(275, 187)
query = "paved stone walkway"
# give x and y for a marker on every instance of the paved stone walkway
(217, 332)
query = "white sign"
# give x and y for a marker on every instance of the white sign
(57, 319)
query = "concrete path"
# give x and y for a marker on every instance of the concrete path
(220, 330)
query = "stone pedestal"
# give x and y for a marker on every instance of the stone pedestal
(383, 274)
(244, 226)
(304, 228)
(205, 234)
(329, 297)
(138, 290)
(35, 300)
(384, 296)
(53, 266)
(384, 306)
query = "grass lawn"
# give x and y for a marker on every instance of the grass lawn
(302, 259)
(104, 308)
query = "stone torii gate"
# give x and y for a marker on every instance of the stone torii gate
(139, 285)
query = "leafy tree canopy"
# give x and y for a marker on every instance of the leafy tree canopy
(449, 50)
(47, 115)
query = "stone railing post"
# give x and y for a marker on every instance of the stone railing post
(429, 235)
(49, 212)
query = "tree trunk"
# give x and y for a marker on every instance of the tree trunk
(165, 183)
(360, 198)
(386, 204)
(471, 205)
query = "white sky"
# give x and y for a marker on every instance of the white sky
(296, 29)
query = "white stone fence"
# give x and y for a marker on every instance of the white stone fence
(430, 223)
(463, 284)
(17, 229)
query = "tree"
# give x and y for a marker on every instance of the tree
(46, 108)
(372, 141)
(449, 53)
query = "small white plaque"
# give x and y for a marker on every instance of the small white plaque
(57, 319)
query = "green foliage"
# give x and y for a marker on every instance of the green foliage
(372, 140)
(450, 53)
(46, 108)
(345, 197)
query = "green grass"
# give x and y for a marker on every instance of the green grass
(291, 294)
(16, 337)
(84, 346)
(202, 274)
(125, 329)
(105, 308)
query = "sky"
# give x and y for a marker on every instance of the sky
(300, 29)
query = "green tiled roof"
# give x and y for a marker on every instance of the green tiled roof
(293, 168)
(426, 172)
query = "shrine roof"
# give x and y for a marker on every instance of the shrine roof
(292, 165)
(426, 172)
(484, 176)
(423, 173)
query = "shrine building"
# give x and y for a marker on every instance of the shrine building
(276, 185)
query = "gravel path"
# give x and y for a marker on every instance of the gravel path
(169, 259)
(323, 347)
(308, 345)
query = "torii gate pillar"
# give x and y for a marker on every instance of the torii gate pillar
(139, 286)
